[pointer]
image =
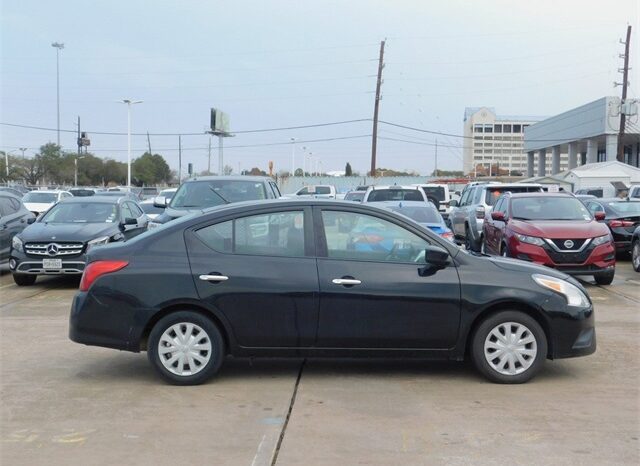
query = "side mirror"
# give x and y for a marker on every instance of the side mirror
(599, 216)
(160, 202)
(31, 220)
(497, 216)
(436, 256)
(453, 203)
(130, 221)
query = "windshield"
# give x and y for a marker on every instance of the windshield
(382, 195)
(202, 194)
(354, 196)
(43, 198)
(419, 214)
(549, 208)
(437, 192)
(625, 207)
(82, 212)
(494, 192)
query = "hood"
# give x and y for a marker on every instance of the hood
(42, 232)
(38, 206)
(518, 265)
(559, 229)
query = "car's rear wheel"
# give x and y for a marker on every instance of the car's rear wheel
(504, 251)
(470, 244)
(186, 348)
(635, 255)
(23, 279)
(604, 278)
(509, 347)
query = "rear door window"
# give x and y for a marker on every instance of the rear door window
(494, 192)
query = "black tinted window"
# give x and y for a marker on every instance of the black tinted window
(437, 192)
(494, 192)
(382, 195)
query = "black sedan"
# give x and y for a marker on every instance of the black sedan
(14, 217)
(57, 242)
(286, 278)
(621, 215)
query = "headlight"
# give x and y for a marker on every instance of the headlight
(601, 240)
(16, 243)
(153, 225)
(97, 242)
(530, 239)
(574, 295)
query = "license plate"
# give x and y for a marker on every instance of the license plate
(51, 263)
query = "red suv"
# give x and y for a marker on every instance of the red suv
(552, 229)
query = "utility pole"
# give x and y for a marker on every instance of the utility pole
(220, 157)
(209, 162)
(625, 83)
(75, 162)
(149, 143)
(58, 46)
(435, 172)
(374, 136)
(179, 159)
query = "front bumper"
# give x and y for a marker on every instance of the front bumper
(575, 336)
(19, 262)
(601, 259)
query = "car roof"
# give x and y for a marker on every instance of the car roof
(228, 178)
(94, 200)
(538, 194)
(49, 191)
(426, 205)
(393, 186)
(10, 194)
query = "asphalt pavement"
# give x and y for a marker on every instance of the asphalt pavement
(68, 404)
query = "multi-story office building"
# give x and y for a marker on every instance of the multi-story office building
(495, 140)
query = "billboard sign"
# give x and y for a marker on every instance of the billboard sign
(219, 121)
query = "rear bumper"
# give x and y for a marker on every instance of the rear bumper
(94, 324)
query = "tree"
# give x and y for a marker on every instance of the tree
(51, 160)
(348, 171)
(114, 172)
(255, 171)
(227, 170)
(150, 169)
(15, 171)
(31, 170)
(298, 172)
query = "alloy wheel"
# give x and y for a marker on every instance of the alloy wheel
(635, 255)
(184, 349)
(510, 348)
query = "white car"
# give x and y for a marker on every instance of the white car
(394, 193)
(150, 208)
(439, 195)
(324, 191)
(40, 201)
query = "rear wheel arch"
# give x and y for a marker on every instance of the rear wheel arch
(144, 337)
(509, 306)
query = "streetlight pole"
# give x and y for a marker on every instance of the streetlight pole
(129, 103)
(58, 46)
(293, 156)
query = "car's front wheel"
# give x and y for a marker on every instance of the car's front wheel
(509, 347)
(22, 279)
(186, 348)
(635, 255)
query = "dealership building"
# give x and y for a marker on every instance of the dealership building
(495, 140)
(586, 134)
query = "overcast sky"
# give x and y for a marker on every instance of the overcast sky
(272, 64)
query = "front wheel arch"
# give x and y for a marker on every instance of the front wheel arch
(509, 306)
(144, 337)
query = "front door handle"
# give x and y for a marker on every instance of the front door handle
(214, 278)
(346, 281)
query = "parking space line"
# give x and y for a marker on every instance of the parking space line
(286, 421)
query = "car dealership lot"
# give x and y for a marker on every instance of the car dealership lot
(64, 403)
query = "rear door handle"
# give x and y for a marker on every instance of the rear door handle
(214, 278)
(346, 281)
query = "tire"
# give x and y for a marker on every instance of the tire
(504, 250)
(604, 278)
(533, 353)
(23, 279)
(203, 363)
(635, 255)
(469, 243)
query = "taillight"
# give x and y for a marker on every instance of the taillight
(96, 269)
(480, 212)
(447, 235)
(620, 223)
